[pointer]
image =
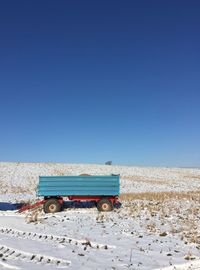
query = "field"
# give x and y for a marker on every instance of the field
(156, 227)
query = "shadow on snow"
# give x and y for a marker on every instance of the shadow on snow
(76, 204)
(5, 206)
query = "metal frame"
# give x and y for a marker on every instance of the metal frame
(113, 199)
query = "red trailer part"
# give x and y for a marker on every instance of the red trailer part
(30, 206)
(55, 204)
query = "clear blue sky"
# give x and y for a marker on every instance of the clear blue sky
(91, 81)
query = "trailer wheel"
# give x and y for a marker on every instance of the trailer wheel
(105, 205)
(52, 206)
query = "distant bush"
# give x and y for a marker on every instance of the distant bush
(108, 162)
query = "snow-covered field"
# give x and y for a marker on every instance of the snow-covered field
(159, 230)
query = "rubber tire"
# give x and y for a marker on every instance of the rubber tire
(55, 202)
(103, 202)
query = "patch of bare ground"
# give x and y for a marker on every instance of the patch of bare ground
(59, 172)
(161, 196)
(154, 181)
(167, 213)
(17, 190)
(192, 177)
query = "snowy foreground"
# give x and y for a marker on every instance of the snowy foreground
(157, 226)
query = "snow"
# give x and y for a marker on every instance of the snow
(161, 233)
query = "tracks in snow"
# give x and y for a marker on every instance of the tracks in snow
(64, 240)
(7, 253)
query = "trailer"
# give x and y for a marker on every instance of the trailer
(102, 190)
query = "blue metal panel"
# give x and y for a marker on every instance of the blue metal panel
(79, 185)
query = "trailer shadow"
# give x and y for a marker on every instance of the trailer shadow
(76, 204)
(5, 206)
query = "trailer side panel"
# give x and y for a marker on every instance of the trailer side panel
(78, 185)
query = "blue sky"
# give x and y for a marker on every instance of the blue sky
(88, 81)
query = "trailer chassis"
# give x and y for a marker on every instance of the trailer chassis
(52, 204)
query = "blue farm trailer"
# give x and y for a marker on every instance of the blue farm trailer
(103, 190)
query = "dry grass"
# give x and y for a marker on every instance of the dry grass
(18, 190)
(161, 196)
(192, 177)
(137, 178)
(58, 172)
(163, 213)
